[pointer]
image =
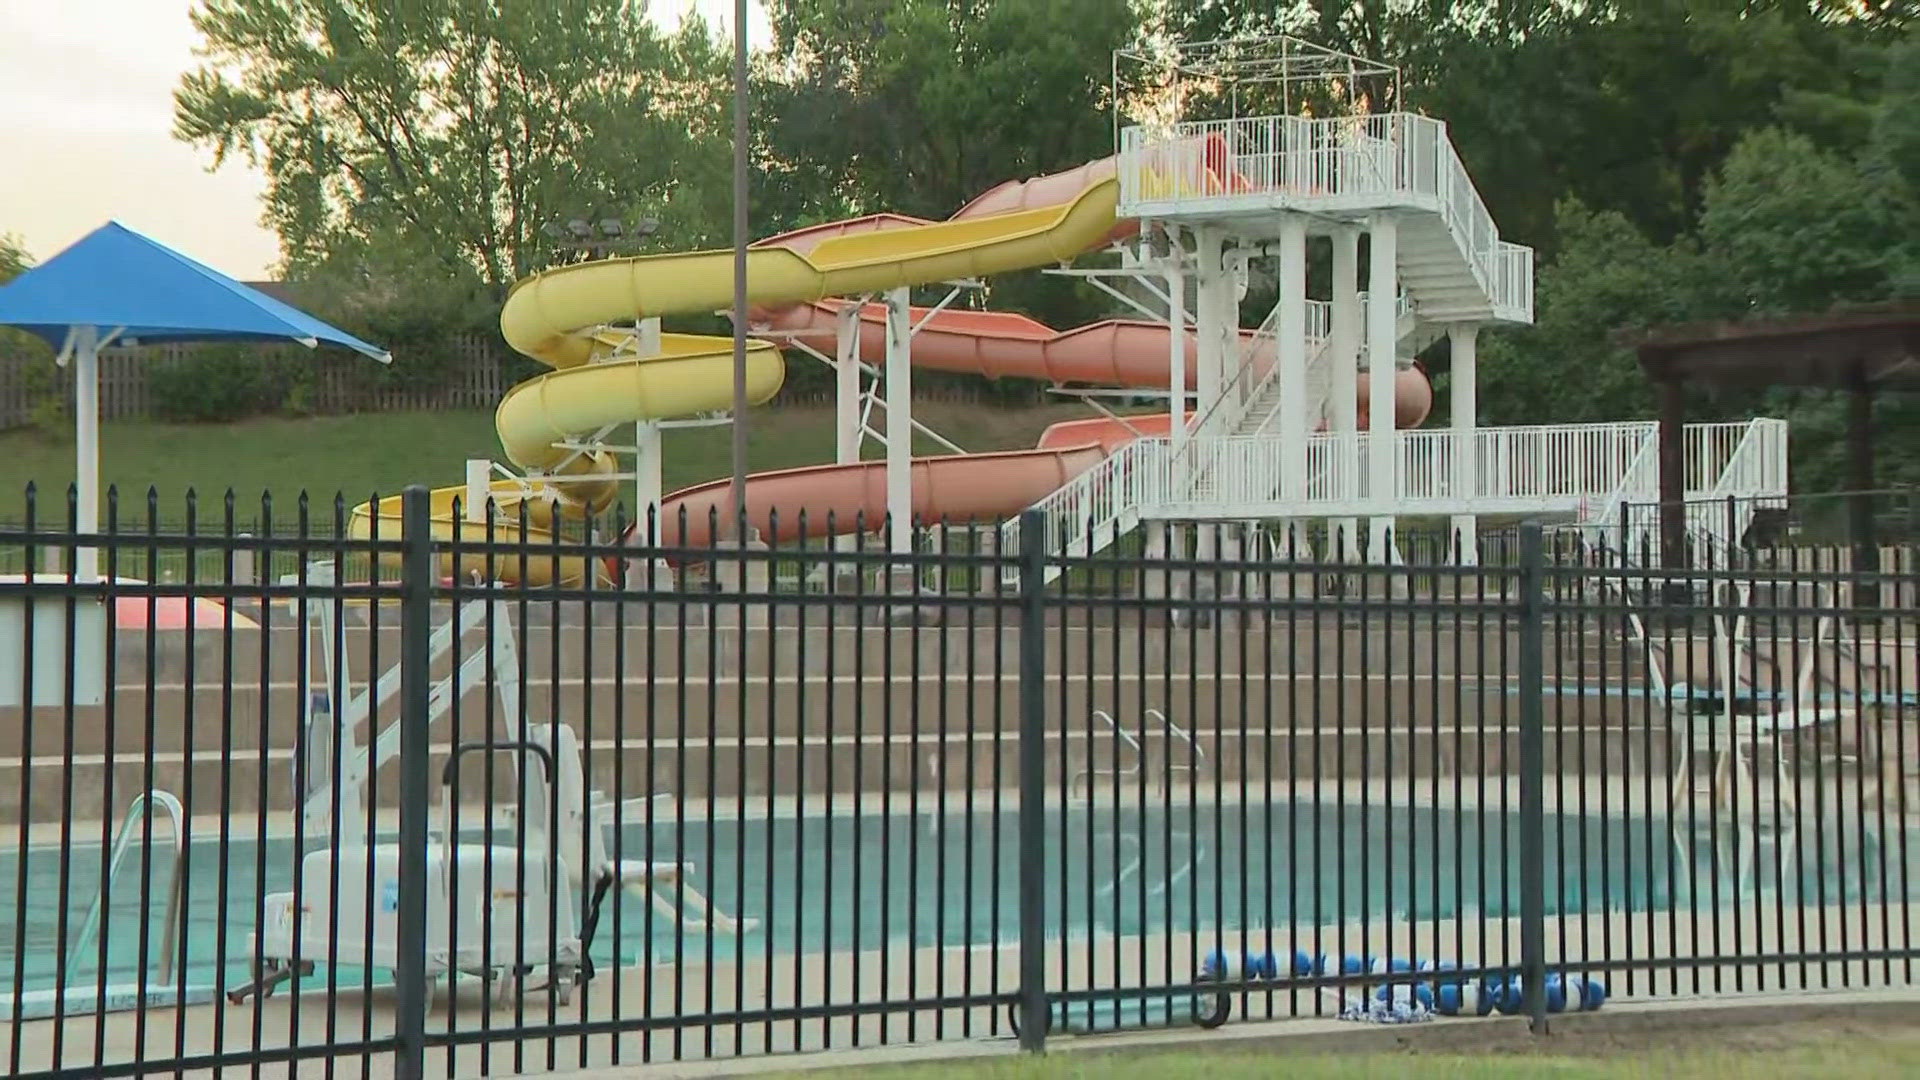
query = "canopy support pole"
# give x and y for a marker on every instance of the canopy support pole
(86, 476)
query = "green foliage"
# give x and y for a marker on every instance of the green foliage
(13, 258)
(1787, 226)
(395, 294)
(461, 126)
(918, 106)
(1566, 368)
(1896, 148)
(217, 383)
(47, 416)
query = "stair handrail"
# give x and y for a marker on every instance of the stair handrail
(1121, 737)
(1747, 476)
(1196, 754)
(1267, 332)
(1635, 477)
(1095, 499)
(137, 811)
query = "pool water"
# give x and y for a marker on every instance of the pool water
(948, 877)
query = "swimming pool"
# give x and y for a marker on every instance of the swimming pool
(847, 880)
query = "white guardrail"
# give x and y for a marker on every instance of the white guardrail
(1753, 471)
(1534, 467)
(1579, 469)
(1385, 159)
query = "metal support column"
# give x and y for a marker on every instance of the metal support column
(1463, 339)
(846, 397)
(899, 421)
(1292, 387)
(1032, 829)
(1533, 837)
(1343, 387)
(416, 683)
(1176, 349)
(1382, 442)
(1212, 285)
(647, 486)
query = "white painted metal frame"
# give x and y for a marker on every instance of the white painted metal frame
(1343, 167)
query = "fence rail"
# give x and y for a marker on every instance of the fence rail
(800, 795)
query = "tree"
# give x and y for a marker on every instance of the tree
(30, 355)
(13, 258)
(917, 106)
(462, 126)
(1625, 105)
(1789, 227)
(1566, 367)
(1895, 150)
(923, 104)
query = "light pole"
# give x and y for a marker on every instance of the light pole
(597, 237)
(739, 485)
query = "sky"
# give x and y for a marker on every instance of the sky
(86, 115)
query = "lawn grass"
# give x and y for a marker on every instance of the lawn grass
(383, 452)
(1853, 1058)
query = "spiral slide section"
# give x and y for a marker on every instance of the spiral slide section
(561, 317)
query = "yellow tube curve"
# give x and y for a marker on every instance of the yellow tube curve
(559, 317)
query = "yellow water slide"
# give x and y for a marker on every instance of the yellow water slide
(561, 318)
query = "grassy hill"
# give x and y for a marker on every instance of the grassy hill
(381, 453)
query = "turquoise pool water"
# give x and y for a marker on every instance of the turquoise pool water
(948, 877)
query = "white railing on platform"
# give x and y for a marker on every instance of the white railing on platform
(1542, 467)
(1387, 160)
(1585, 471)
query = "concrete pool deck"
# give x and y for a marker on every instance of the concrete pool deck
(1692, 975)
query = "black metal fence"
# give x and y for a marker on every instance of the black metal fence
(284, 799)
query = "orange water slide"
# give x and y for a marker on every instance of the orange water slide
(823, 500)
(1126, 354)
(1114, 353)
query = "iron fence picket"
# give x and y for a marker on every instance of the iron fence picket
(1469, 765)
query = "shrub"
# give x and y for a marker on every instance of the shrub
(216, 383)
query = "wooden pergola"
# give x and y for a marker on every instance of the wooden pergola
(1863, 351)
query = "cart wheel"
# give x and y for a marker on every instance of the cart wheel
(1013, 1020)
(1221, 1011)
(1211, 1014)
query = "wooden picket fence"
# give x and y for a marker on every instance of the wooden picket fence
(339, 384)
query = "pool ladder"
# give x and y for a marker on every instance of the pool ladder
(1129, 845)
(1122, 737)
(137, 811)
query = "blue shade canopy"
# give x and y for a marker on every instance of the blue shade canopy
(117, 280)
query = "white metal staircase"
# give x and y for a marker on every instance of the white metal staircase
(1580, 473)
(1411, 334)
(1452, 267)
(1732, 470)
